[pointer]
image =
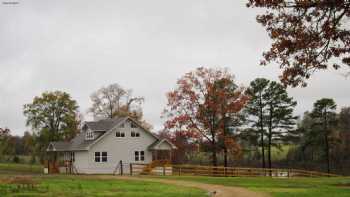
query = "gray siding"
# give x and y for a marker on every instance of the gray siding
(117, 149)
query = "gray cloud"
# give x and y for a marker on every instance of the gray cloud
(79, 46)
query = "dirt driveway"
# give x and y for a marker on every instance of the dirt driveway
(213, 190)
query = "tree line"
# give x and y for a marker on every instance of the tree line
(208, 112)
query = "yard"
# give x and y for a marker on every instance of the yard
(14, 168)
(74, 186)
(282, 187)
(93, 185)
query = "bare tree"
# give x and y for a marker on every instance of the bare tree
(114, 100)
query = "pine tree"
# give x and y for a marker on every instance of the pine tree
(256, 110)
(324, 116)
(270, 113)
(280, 120)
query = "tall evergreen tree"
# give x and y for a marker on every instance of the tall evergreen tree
(256, 110)
(324, 115)
(280, 120)
(270, 113)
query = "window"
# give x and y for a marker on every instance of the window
(135, 134)
(119, 134)
(97, 157)
(139, 155)
(142, 157)
(89, 135)
(136, 155)
(104, 156)
(101, 157)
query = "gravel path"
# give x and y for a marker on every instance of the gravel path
(213, 190)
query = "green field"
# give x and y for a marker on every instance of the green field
(12, 168)
(75, 186)
(62, 185)
(282, 187)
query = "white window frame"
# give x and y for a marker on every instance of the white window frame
(142, 155)
(101, 157)
(134, 133)
(121, 134)
(139, 155)
(104, 157)
(89, 135)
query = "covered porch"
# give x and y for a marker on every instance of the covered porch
(162, 150)
(59, 158)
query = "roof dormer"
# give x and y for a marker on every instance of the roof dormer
(89, 135)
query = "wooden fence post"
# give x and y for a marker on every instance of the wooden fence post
(131, 169)
(121, 167)
(163, 170)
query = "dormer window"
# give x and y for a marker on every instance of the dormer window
(119, 134)
(89, 135)
(135, 134)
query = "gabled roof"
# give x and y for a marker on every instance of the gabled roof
(58, 146)
(124, 119)
(104, 127)
(156, 144)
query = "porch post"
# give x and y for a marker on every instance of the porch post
(170, 156)
(155, 155)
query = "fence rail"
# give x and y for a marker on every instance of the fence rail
(165, 168)
(151, 169)
(244, 172)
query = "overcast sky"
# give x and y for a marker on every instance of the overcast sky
(79, 46)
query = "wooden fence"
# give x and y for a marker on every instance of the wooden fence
(147, 169)
(156, 168)
(244, 172)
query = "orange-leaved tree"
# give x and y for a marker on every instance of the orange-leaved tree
(202, 103)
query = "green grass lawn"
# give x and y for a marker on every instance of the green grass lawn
(282, 187)
(75, 186)
(92, 186)
(13, 168)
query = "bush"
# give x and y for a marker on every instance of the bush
(15, 159)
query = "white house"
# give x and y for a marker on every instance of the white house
(102, 145)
